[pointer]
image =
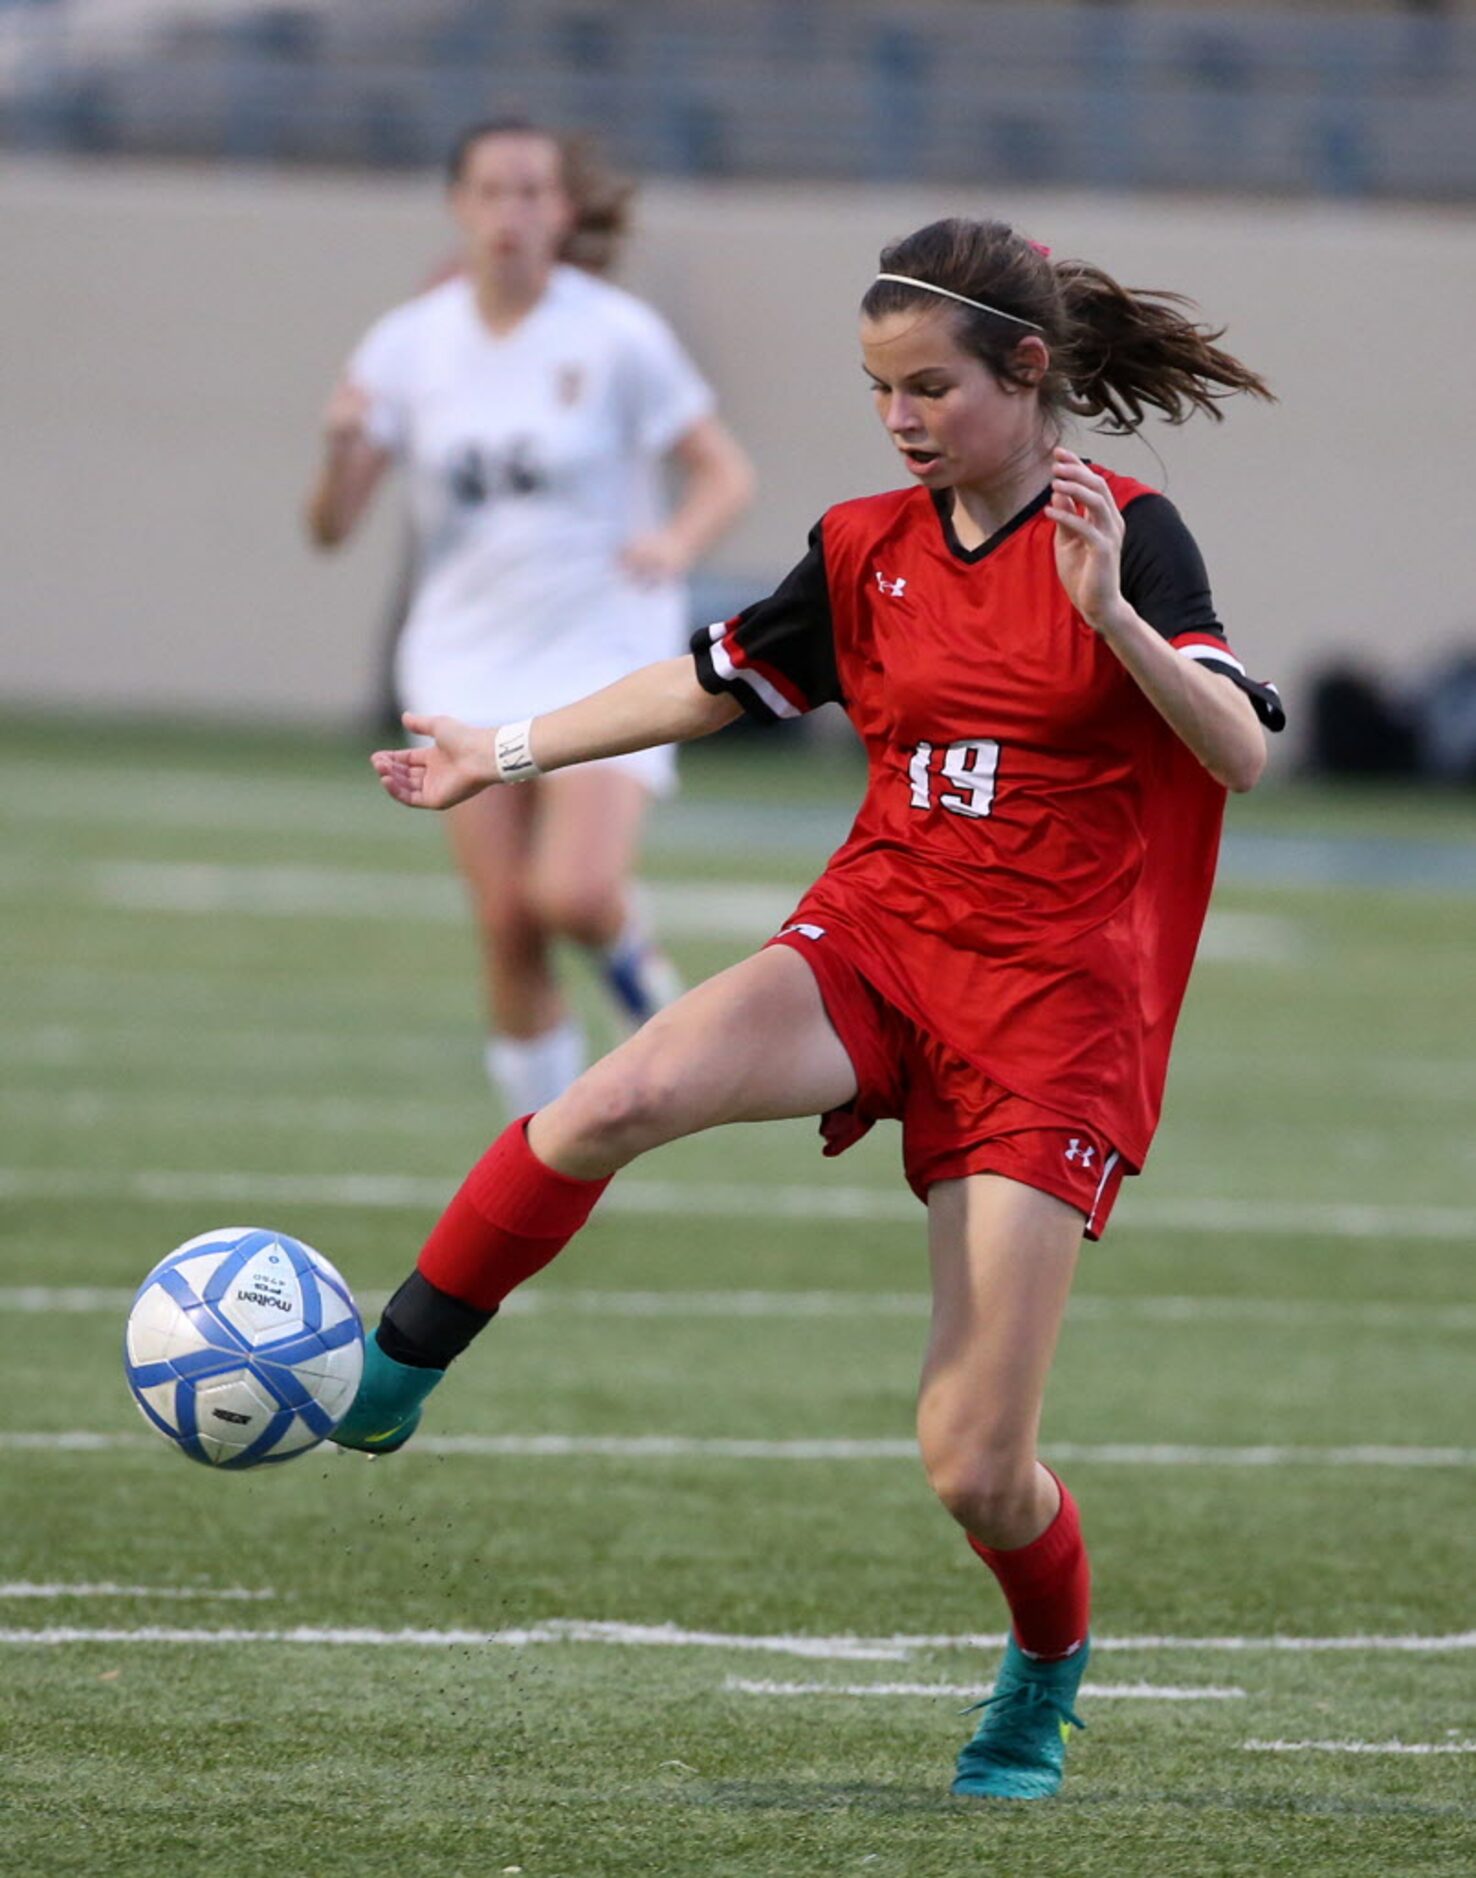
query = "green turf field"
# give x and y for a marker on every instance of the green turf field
(240, 991)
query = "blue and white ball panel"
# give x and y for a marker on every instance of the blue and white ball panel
(244, 1347)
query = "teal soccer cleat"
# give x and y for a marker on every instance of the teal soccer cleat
(1019, 1752)
(386, 1411)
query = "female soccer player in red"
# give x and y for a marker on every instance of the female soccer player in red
(1027, 647)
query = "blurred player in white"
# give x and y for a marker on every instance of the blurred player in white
(533, 407)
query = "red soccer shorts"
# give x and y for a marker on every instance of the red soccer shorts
(955, 1120)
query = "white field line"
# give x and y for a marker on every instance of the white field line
(698, 910)
(370, 1191)
(94, 993)
(828, 1649)
(1359, 1747)
(229, 1594)
(294, 1115)
(113, 795)
(843, 1648)
(716, 1200)
(292, 1044)
(1373, 1077)
(77, 1041)
(681, 909)
(116, 795)
(88, 996)
(740, 1448)
(813, 1306)
(1432, 1079)
(1112, 1454)
(1090, 1691)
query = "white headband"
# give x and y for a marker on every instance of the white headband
(926, 286)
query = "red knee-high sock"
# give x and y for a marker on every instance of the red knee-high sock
(507, 1220)
(1047, 1584)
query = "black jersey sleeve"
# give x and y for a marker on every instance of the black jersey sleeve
(776, 657)
(1164, 581)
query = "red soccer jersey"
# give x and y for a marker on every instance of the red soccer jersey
(1030, 868)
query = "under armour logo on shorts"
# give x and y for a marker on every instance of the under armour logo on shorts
(1078, 1150)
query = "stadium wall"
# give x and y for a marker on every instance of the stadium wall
(169, 338)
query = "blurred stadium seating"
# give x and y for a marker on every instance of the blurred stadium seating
(1349, 100)
(1304, 171)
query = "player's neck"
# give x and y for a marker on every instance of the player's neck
(981, 508)
(504, 301)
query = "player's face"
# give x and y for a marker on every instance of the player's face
(510, 204)
(951, 420)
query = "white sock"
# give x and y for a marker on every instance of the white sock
(528, 1072)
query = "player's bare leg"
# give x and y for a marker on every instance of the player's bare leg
(586, 847)
(536, 1047)
(752, 1044)
(1003, 1257)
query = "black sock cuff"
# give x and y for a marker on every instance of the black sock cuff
(426, 1328)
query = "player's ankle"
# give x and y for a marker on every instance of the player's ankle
(424, 1327)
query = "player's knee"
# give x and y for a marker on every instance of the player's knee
(505, 918)
(624, 1105)
(587, 912)
(991, 1494)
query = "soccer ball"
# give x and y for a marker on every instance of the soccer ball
(243, 1347)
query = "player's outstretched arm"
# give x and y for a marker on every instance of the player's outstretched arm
(661, 703)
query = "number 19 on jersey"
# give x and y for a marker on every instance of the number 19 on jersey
(970, 766)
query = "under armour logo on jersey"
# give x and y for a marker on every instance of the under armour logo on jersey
(893, 588)
(804, 929)
(1082, 1151)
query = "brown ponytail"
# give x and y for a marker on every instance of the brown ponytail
(601, 198)
(1114, 350)
(1128, 347)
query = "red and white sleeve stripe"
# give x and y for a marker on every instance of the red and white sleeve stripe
(1209, 649)
(1212, 651)
(733, 666)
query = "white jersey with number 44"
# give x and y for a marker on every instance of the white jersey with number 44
(532, 459)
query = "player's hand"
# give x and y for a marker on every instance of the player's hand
(346, 414)
(1089, 533)
(459, 763)
(655, 557)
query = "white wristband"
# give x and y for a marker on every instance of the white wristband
(513, 752)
